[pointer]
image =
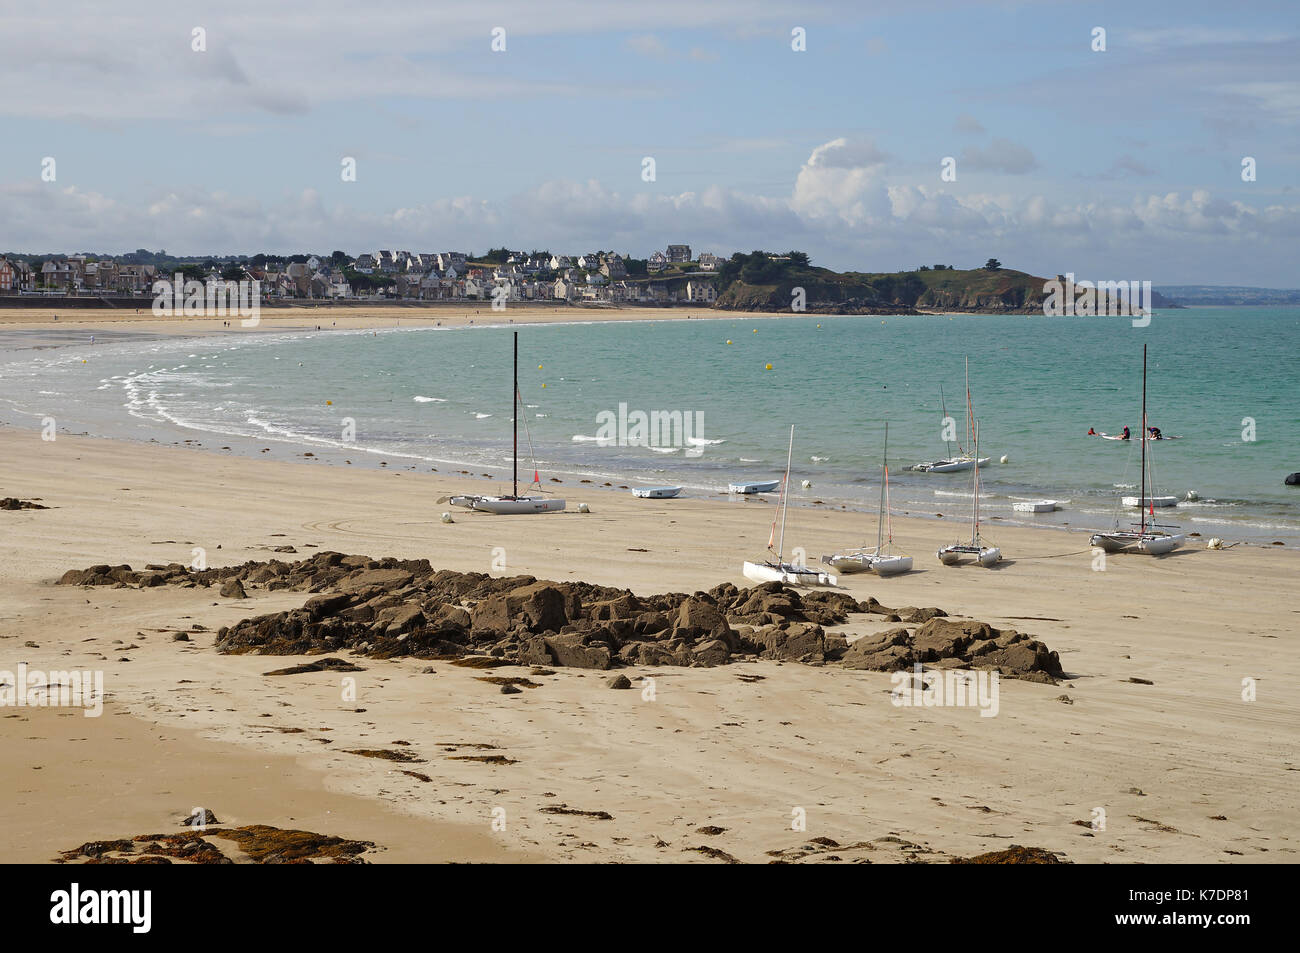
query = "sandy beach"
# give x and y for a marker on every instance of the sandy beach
(1149, 732)
(347, 318)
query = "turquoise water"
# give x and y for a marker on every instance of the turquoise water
(441, 398)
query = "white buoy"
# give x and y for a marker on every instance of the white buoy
(807, 484)
(446, 518)
(584, 508)
(1005, 459)
(1214, 543)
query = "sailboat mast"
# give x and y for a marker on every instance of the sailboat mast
(1143, 500)
(884, 479)
(514, 412)
(785, 497)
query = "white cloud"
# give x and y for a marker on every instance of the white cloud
(847, 216)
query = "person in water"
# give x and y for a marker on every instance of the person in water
(1155, 433)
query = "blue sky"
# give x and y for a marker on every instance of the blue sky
(1117, 164)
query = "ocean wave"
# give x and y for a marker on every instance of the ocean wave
(583, 438)
(429, 400)
(703, 442)
(479, 416)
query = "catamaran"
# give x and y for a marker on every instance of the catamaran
(984, 554)
(514, 503)
(963, 460)
(877, 560)
(1148, 538)
(779, 570)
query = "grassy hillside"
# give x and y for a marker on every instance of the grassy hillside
(977, 289)
(762, 282)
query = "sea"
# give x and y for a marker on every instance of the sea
(1222, 380)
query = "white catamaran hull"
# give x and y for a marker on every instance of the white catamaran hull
(1034, 506)
(1153, 544)
(509, 505)
(786, 573)
(869, 562)
(656, 492)
(984, 555)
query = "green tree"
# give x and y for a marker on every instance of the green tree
(992, 265)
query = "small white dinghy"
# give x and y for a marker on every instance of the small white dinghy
(656, 492)
(1144, 535)
(985, 555)
(514, 503)
(757, 486)
(1035, 506)
(876, 560)
(1138, 502)
(778, 570)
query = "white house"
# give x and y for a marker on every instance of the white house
(701, 292)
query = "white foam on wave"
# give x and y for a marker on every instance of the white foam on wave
(481, 416)
(583, 438)
(429, 400)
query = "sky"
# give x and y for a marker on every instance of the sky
(1122, 163)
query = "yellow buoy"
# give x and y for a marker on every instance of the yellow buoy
(755, 330)
(543, 387)
(769, 367)
(728, 340)
(329, 403)
(539, 367)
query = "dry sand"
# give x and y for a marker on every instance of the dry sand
(1184, 769)
(359, 317)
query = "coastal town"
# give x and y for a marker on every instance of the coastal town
(671, 276)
